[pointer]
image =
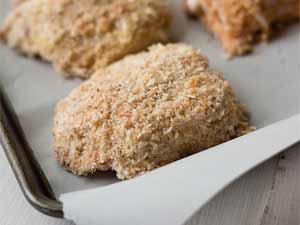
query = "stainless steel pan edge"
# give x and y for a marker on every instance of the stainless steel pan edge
(26, 168)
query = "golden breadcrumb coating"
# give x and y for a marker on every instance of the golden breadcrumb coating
(239, 23)
(146, 111)
(80, 36)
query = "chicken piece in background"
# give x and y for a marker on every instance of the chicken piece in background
(239, 23)
(81, 36)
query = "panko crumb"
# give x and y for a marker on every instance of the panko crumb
(146, 111)
(81, 36)
(238, 24)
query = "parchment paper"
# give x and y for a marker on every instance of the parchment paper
(171, 194)
(267, 81)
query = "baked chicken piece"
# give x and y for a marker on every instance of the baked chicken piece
(81, 36)
(146, 111)
(239, 23)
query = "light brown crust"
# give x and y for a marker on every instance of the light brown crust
(80, 36)
(239, 23)
(145, 111)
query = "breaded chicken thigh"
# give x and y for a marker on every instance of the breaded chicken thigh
(81, 36)
(146, 111)
(239, 23)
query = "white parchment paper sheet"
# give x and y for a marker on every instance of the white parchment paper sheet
(267, 81)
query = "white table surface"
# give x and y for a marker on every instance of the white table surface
(268, 195)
